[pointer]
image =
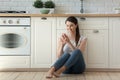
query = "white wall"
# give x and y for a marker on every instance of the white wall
(64, 6)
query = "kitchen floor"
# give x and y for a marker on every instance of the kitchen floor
(41, 76)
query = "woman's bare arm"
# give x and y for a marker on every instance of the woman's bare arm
(82, 45)
(71, 46)
(60, 46)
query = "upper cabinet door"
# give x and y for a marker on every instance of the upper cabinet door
(43, 29)
(114, 41)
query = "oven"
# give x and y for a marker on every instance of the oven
(14, 36)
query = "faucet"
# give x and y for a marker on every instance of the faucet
(81, 10)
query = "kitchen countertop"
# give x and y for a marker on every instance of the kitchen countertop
(60, 15)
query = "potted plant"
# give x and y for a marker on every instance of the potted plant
(49, 4)
(38, 4)
(46, 7)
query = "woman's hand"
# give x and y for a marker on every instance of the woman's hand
(65, 38)
(62, 41)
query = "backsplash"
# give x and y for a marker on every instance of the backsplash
(64, 6)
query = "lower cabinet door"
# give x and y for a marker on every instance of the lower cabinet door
(114, 42)
(96, 54)
(42, 40)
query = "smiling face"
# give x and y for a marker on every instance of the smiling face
(71, 27)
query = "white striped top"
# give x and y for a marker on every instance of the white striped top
(67, 49)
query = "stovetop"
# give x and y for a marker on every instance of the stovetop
(12, 11)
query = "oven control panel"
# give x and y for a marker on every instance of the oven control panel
(14, 20)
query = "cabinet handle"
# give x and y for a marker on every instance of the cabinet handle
(83, 18)
(44, 18)
(95, 31)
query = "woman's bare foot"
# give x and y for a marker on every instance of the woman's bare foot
(58, 72)
(50, 72)
(56, 75)
(49, 76)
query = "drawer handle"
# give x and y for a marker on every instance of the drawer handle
(44, 18)
(83, 18)
(95, 31)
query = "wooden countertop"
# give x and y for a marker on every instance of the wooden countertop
(60, 15)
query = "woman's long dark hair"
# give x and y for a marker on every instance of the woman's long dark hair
(75, 21)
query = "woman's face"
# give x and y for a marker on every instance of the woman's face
(71, 27)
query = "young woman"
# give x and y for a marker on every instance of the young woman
(69, 51)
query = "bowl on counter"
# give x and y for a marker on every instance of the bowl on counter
(44, 11)
(117, 10)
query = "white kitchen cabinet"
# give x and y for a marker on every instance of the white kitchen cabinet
(96, 31)
(114, 41)
(43, 42)
(96, 53)
(14, 62)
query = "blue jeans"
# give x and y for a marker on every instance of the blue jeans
(73, 62)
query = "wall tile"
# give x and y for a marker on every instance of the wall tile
(64, 6)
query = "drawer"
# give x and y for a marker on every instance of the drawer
(93, 23)
(86, 23)
(14, 61)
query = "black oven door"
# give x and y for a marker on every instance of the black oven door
(11, 40)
